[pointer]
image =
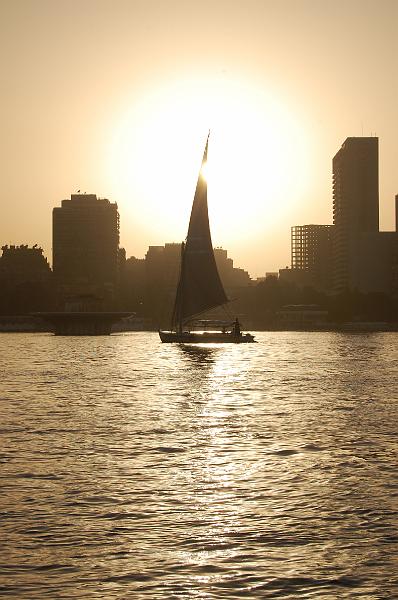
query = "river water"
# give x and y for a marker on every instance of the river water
(132, 469)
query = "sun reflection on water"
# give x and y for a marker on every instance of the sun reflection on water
(147, 470)
(223, 462)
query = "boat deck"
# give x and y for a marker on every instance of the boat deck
(206, 337)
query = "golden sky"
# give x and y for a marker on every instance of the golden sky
(115, 97)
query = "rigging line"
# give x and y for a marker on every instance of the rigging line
(226, 309)
(192, 317)
(174, 315)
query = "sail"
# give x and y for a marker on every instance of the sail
(200, 286)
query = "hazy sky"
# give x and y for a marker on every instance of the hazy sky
(115, 98)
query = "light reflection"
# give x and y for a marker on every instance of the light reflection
(224, 462)
(194, 467)
(198, 353)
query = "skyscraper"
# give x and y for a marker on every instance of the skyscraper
(86, 244)
(355, 206)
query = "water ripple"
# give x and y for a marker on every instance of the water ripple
(132, 469)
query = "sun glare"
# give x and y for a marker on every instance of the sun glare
(257, 159)
(204, 171)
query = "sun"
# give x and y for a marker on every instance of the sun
(257, 159)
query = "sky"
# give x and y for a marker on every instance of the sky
(116, 97)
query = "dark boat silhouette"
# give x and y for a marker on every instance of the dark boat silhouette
(199, 287)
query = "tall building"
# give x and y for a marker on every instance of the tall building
(311, 248)
(86, 245)
(364, 258)
(355, 206)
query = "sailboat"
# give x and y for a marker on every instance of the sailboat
(199, 287)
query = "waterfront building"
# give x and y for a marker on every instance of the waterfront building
(364, 258)
(355, 207)
(225, 265)
(26, 280)
(302, 316)
(377, 264)
(172, 263)
(162, 265)
(311, 252)
(299, 277)
(86, 254)
(232, 277)
(149, 284)
(161, 272)
(22, 264)
(133, 283)
(134, 271)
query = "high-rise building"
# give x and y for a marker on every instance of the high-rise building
(311, 248)
(355, 206)
(86, 244)
(364, 258)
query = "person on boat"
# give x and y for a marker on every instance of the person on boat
(236, 328)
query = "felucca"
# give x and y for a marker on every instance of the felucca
(199, 287)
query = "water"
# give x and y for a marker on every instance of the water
(132, 469)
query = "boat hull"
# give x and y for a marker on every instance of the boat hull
(207, 337)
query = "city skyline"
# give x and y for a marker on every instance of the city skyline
(368, 183)
(102, 97)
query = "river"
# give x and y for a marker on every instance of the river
(132, 469)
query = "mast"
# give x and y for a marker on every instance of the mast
(176, 318)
